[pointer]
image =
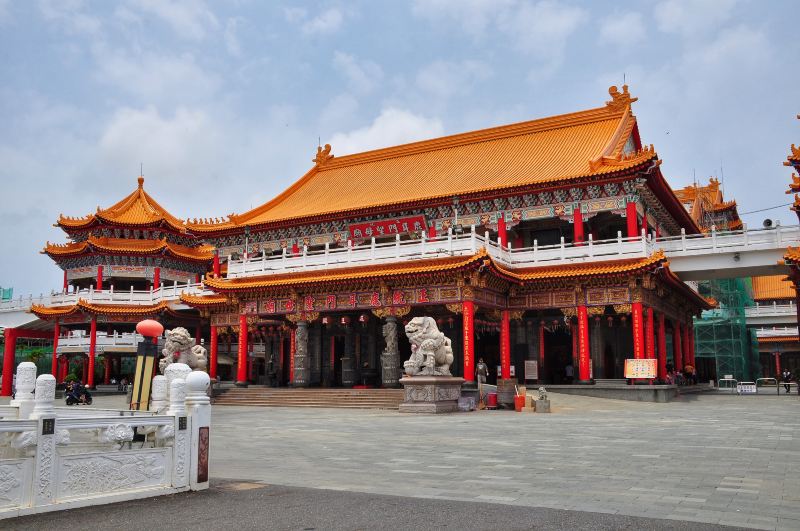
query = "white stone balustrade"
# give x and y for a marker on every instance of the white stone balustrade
(42, 469)
(740, 243)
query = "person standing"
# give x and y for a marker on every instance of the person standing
(786, 376)
(569, 373)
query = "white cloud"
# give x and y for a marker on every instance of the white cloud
(393, 126)
(541, 28)
(474, 16)
(622, 29)
(70, 15)
(190, 19)
(231, 39)
(692, 18)
(155, 78)
(181, 147)
(443, 79)
(295, 14)
(328, 21)
(363, 76)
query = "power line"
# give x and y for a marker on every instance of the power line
(765, 209)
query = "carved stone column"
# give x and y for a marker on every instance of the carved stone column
(390, 358)
(301, 355)
(597, 352)
(348, 360)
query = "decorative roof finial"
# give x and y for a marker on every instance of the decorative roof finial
(323, 155)
(141, 181)
(619, 100)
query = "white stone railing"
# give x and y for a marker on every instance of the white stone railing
(743, 241)
(54, 459)
(109, 296)
(778, 331)
(104, 341)
(771, 310)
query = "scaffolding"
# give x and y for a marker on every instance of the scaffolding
(721, 334)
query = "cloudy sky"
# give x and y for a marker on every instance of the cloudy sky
(224, 101)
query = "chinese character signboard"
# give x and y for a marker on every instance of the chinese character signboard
(387, 227)
(641, 368)
(531, 369)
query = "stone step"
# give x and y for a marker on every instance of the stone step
(331, 398)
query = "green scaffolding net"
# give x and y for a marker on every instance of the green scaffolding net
(723, 344)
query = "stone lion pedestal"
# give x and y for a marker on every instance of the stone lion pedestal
(431, 394)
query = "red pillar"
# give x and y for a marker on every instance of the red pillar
(54, 366)
(577, 225)
(777, 364)
(633, 223)
(292, 351)
(662, 347)
(573, 331)
(107, 372)
(644, 223)
(8, 360)
(99, 286)
(505, 345)
(677, 356)
(687, 355)
(156, 277)
(92, 349)
(649, 335)
(541, 351)
(212, 368)
(216, 265)
(691, 343)
(468, 311)
(502, 230)
(584, 352)
(63, 369)
(637, 329)
(66, 284)
(241, 363)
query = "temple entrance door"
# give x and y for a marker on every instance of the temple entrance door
(557, 355)
(332, 363)
(487, 346)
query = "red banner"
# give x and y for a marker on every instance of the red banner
(387, 227)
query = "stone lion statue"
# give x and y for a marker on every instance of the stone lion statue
(431, 353)
(181, 348)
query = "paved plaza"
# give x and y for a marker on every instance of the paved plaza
(717, 459)
(709, 459)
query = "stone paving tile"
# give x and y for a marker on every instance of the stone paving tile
(709, 459)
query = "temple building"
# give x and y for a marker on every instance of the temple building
(132, 252)
(534, 245)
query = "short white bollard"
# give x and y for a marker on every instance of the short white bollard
(26, 384)
(198, 405)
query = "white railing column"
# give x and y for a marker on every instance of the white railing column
(422, 244)
(714, 237)
(130, 297)
(450, 240)
(372, 249)
(535, 250)
(683, 239)
(327, 252)
(745, 234)
(283, 257)
(591, 246)
(349, 250)
(397, 246)
(305, 255)
(473, 243)
(264, 260)
(619, 242)
(644, 242)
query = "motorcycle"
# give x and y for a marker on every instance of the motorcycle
(81, 397)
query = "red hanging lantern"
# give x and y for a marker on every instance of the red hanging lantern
(150, 328)
(345, 320)
(326, 320)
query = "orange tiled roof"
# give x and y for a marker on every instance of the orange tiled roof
(727, 205)
(772, 287)
(138, 209)
(610, 267)
(410, 267)
(416, 267)
(548, 150)
(792, 255)
(129, 246)
(45, 312)
(204, 301)
(794, 186)
(779, 339)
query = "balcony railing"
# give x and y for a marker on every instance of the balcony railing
(778, 331)
(111, 341)
(742, 241)
(771, 310)
(109, 296)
